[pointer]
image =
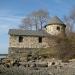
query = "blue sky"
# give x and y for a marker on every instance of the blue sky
(12, 12)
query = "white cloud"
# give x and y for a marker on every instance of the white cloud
(7, 20)
(6, 23)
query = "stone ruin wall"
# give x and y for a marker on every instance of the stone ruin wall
(29, 44)
(52, 29)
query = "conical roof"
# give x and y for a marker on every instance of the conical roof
(55, 20)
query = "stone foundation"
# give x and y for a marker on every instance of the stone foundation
(21, 53)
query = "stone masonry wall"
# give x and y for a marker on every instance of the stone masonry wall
(52, 29)
(28, 42)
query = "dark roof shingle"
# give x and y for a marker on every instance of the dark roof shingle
(55, 20)
(27, 32)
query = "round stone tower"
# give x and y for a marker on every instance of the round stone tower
(55, 27)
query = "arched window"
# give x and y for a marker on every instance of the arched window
(20, 38)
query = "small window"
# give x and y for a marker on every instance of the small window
(40, 39)
(58, 28)
(20, 39)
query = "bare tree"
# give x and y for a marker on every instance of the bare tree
(70, 21)
(69, 24)
(40, 18)
(36, 18)
(26, 23)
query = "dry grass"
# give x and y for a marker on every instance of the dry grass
(21, 70)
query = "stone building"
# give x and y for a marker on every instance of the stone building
(22, 41)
